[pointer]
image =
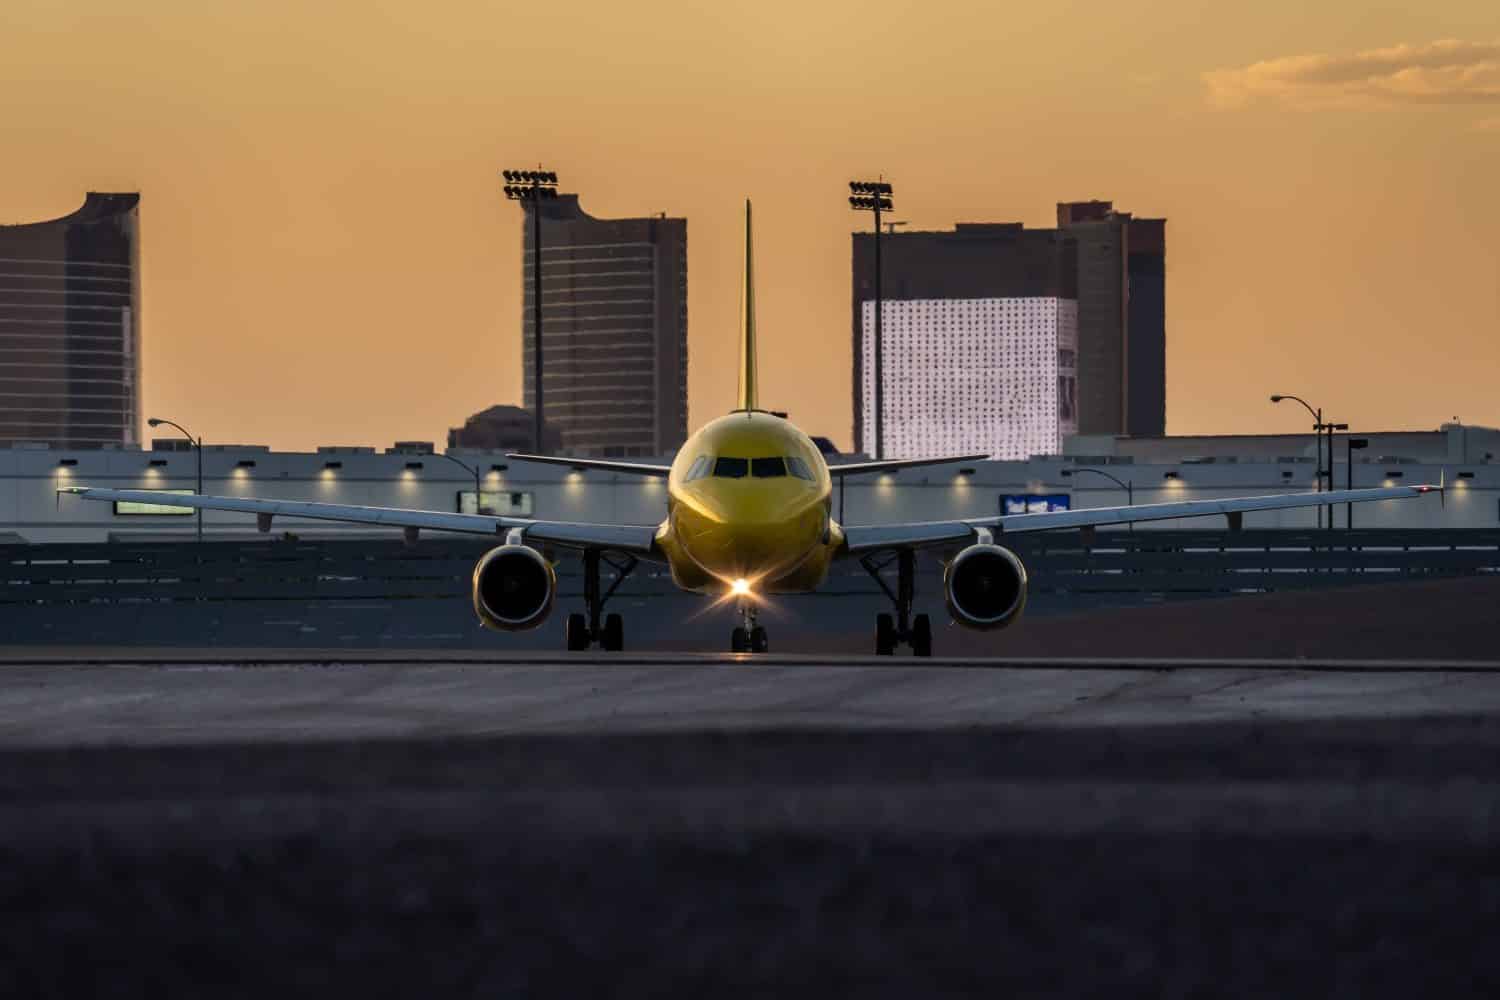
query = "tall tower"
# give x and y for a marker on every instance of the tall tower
(70, 314)
(1122, 350)
(614, 330)
(981, 337)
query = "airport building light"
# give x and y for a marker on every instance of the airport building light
(534, 186)
(875, 197)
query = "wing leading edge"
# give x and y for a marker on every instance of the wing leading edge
(892, 465)
(636, 539)
(603, 465)
(863, 538)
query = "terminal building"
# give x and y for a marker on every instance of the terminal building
(1149, 470)
(614, 330)
(1006, 340)
(70, 327)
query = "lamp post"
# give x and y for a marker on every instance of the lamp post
(1128, 487)
(472, 470)
(1317, 416)
(197, 444)
(533, 186)
(875, 196)
(1351, 444)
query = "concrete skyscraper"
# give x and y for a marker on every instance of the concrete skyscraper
(1122, 326)
(70, 359)
(614, 330)
(1007, 340)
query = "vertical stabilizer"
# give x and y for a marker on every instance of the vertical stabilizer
(748, 375)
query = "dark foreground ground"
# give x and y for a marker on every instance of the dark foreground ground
(769, 829)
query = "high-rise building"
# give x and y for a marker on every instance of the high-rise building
(980, 342)
(70, 369)
(1122, 327)
(614, 330)
(981, 320)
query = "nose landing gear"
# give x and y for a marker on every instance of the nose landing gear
(904, 627)
(748, 637)
(581, 631)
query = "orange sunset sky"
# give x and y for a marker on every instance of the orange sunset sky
(328, 259)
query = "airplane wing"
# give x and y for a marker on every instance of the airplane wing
(855, 468)
(635, 539)
(604, 465)
(864, 538)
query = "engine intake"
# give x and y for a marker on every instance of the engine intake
(514, 586)
(985, 586)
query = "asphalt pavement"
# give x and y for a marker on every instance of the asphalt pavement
(222, 823)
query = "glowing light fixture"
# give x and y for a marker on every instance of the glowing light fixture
(740, 587)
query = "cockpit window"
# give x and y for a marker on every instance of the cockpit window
(767, 468)
(798, 468)
(731, 468)
(698, 469)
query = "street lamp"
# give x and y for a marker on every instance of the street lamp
(875, 196)
(1317, 415)
(197, 444)
(532, 187)
(472, 470)
(1128, 487)
(1351, 445)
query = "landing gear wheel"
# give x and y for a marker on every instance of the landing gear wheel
(921, 636)
(576, 633)
(885, 635)
(758, 641)
(614, 633)
(739, 641)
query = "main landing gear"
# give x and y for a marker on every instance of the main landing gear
(748, 637)
(903, 627)
(582, 631)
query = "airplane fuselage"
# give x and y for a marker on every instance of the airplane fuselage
(749, 498)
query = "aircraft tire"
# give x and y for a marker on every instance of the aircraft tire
(758, 641)
(576, 633)
(885, 635)
(739, 641)
(614, 633)
(921, 636)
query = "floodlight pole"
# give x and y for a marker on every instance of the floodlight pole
(876, 197)
(536, 311)
(532, 186)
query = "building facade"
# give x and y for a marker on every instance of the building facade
(70, 369)
(1104, 271)
(614, 330)
(1153, 470)
(980, 376)
(1122, 358)
(980, 340)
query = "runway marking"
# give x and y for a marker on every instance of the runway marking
(387, 657)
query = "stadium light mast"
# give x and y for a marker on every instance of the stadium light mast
(533, 186)
(875, 196)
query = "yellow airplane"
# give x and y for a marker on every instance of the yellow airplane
(749, 512)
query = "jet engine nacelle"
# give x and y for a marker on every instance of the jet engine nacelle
(514, 586)
(985, 586)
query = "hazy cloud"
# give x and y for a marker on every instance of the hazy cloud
(1447, 72)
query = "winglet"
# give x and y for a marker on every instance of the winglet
(748, 375)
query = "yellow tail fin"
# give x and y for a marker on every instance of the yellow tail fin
(748, 377)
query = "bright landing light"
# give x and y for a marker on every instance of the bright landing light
(740, 587)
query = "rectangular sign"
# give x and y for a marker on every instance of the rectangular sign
(1034, 503)
(501, 503)
(132, 508)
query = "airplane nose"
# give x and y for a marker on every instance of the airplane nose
(749, 534)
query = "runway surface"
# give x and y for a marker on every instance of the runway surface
(794, 825)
